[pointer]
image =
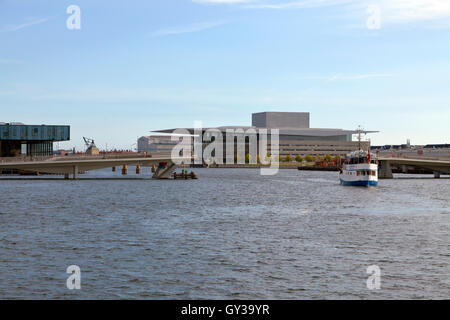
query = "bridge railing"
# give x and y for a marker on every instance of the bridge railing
(73, 157)
(25, 159)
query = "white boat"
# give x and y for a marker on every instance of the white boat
(360, 168)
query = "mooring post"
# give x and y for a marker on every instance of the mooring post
(75, 172)
(437, 174)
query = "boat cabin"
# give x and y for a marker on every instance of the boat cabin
(360, 157)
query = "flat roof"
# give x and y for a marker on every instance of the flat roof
(312, 132)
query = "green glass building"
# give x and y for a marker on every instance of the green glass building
(18, 139)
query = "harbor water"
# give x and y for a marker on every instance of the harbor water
(232, 234)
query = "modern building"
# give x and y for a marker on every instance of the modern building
(156, 144)
(18, 139)
(296, 137)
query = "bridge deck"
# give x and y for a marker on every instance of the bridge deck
(68, 166)
(437, 166)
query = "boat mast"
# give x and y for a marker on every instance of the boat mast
(360, 130)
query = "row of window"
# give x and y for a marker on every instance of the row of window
(45, 132)
(366, 173)
(363, 173)
(349, 144)
(324, 149)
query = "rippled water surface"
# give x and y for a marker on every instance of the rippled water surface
(232, 234)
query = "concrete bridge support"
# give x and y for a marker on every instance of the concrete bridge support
(437, 174)
(385, 171)
(164, 172)
(75, 172)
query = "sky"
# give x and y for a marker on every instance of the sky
(137, 66)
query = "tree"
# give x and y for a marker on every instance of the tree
(298, 158)
(337, 160)
(309, 158)
(288, 158)
(329, 158)
(258, 159)
(247, 158)
(279, 158)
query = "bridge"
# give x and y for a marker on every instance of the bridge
(164, 166)
(436, 166)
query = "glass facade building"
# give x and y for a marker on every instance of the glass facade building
(18, 139)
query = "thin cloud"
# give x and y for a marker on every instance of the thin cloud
(415, 10)
(11, 28)
(338, 77)
(298, 4)
(392, 11)
(7, 93)
(273, 4)
(10, 61)
(187, 28)
(222, 1)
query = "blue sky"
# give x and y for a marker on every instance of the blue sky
(136, 66)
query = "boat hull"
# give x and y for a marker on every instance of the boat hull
(359, 175)
(360, 183)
